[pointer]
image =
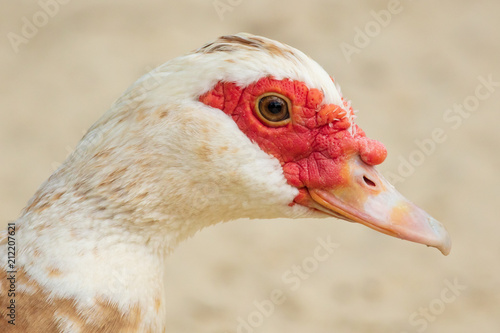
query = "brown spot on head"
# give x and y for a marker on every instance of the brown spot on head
(232, 43)
(163, 114)
(234, 39)
(203, 152)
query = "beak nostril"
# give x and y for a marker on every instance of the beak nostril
(369, 182)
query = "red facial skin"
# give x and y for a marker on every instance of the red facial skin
(314, 147)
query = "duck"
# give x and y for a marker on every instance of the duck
(242, 127)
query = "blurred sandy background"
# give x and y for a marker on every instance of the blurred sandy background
(425, 60)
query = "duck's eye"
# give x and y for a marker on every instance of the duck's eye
(273, 109)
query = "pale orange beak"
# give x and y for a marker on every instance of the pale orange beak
(368, 198)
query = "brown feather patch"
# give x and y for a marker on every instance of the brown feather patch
(36, 312)
(233, 42)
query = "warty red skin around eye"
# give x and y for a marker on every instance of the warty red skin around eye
(314, 147)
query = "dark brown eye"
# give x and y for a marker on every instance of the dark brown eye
(273, 109)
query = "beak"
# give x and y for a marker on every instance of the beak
(368, 198)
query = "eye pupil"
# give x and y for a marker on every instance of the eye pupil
(275, 106)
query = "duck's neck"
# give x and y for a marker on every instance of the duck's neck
(95, 265)
(82, 247)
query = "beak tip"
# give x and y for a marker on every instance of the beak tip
(445, 246)
(444, 240)
(445, 250)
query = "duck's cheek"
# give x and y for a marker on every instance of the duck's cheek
(317, 171)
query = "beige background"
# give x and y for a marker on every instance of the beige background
(426, 59)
